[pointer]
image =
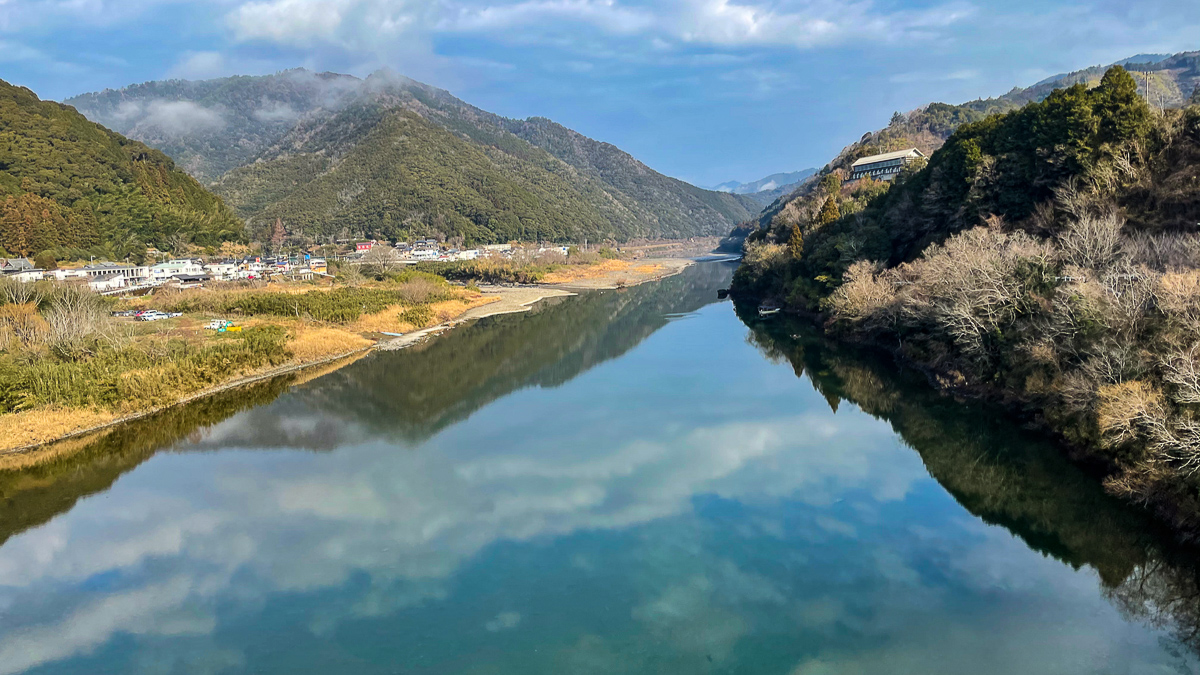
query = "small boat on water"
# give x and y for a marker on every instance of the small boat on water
(768, 309)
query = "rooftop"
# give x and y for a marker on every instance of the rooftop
(16, 263)
(899, 154)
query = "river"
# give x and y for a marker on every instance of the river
(637, 481)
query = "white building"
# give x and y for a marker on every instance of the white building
(24, 275)
(163, 271)
(224, 271)
(64, 274)
(132, 273)
(886, 166)
(425, 254)
(107, 282)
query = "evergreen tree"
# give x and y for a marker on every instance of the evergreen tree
(1122, 113)
(796, 242)
(831, 185)
(829, 212)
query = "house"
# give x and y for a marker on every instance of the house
(106, 282)
(22, 274)
(8, 265)
(174, 268)
(886, 166)
(497, 248)
(66, 274)
(224, 270)
(364, 246)
(425, 254)
(318, 265)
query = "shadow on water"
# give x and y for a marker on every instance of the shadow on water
(1004, 475)
(406, 395)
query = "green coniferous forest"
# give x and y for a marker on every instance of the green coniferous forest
(70, 184)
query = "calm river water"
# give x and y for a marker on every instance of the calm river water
(623, 482)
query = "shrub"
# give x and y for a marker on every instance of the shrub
(419, 316)
(342, 305)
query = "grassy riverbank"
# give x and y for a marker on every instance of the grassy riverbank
(67, 366)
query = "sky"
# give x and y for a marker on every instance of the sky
(703, 90)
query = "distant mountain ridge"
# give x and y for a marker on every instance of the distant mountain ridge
(388, 156)
(766, 190)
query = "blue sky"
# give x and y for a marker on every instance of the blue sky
(705, 90)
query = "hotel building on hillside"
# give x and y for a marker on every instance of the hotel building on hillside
(886, 166)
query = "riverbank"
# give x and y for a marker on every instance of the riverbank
(315, 345)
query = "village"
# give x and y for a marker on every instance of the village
(120, 278)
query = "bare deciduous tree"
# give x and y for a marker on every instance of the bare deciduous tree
(1092, 241)
(380, 260)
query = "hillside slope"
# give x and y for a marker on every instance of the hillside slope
(391, 157)
(68, 183)
(1167, 81)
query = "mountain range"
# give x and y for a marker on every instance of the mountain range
(334, 155)
(766, 190)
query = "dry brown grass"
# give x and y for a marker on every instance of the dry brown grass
(379, 322)
(577, 272)
(31, 427)
(315, 343)
(387, 321)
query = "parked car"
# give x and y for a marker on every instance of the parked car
(128, 312)
(152, 315)
(172, 315)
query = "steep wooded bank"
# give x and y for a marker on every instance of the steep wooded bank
(67, 184)
(335, 156)
(1050, 255)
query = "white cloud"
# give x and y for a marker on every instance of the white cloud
(276, 111)
(289, 21)
(181, 118)
(371, 24)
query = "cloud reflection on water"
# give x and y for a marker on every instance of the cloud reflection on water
(718, 518)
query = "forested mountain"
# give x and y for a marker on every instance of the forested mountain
(387, 156)
(209, 127)
(70, 184)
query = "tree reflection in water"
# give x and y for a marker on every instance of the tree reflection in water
(1005, 476)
